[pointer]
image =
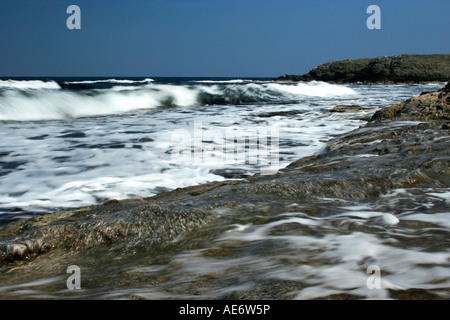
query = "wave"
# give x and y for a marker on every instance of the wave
(27, 85)
(102, 84)
(113, 81)
(222, 81)
(313, 88)
(66, 104)
(61, 105)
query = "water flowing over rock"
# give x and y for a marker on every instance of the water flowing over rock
(404, 146)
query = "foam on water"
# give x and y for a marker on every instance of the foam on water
(83, 161)
(313, 88)
(222, 81)
(117, 81)
(319, 255)
(76, 161)
(27, 85)
(62, 105)
(41, 104)
(439, 219)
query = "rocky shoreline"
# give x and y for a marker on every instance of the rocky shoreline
(398, 69)
(403, 157)
(403, 146)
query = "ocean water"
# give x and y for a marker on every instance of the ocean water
(68, 143)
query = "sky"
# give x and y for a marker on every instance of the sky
(210, 38)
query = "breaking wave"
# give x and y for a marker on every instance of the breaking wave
(33, 101)
(223, 81)
(27, 85)
(117, 81)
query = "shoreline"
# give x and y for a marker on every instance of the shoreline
(63, 229)
(404, 148)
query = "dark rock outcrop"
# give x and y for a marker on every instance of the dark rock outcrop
(397, 69)
(428, 107)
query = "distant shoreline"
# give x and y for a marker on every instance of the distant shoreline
(409, 69)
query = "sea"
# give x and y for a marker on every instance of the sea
(74, 142)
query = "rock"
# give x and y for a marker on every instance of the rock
(446, 88)
(352, 108)
(79, 229)
(433, 106)
(340, 71)
(397, 69)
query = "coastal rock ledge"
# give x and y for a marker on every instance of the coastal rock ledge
(397, 69)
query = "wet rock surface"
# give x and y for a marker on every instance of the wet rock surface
(405, 146)
(432, 107)
(345, 108)
(404, 68)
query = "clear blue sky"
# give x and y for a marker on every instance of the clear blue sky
(235, 38)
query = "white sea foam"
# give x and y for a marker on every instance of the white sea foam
(387, 218)
(109, 159)
(328, 262)
(222, 81)
(442, 195)
(28, 85)
(118, 81)
(63, 104)
(59, 105)
(313, 88)
(441, 219)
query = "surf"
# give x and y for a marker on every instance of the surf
(39, 100)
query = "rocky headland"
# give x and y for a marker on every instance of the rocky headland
(397, 69)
